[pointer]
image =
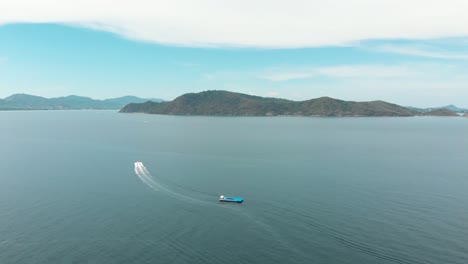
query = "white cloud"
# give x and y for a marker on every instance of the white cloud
(256, 23)
(376, 71)
(343, 71)
(422, 52)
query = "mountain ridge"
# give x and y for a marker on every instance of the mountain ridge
(70, 102)
(225, 103)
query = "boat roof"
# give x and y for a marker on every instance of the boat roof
(233, 198)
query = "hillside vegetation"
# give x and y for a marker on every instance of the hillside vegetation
(224, 103)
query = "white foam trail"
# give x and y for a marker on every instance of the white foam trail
(145, 176)
(145, 170)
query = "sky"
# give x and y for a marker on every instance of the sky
(413, 53)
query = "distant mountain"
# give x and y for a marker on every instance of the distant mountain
(224, 103)
(32, 102)
(124, 100)
(20, 100)
(465, 115)
(455, 109)
(449, 107)
(441, 112)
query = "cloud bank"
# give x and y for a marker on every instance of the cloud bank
(422, 52)
(252, 23)
(340, 71)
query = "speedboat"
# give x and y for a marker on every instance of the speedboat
(223, 198)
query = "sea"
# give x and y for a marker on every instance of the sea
(105, 187)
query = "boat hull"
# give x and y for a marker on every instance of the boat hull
(231, 199)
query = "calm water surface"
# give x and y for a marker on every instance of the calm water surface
(317, 190)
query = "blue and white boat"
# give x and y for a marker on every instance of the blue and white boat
(223, 198)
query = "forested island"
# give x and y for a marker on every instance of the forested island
(225, 103)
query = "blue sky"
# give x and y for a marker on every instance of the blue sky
(55, 59)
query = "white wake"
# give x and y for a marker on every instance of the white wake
(145, 176)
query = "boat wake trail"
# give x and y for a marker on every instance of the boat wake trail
(145, 176)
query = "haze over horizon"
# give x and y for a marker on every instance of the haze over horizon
(381, 50)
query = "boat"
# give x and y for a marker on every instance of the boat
(223, 198)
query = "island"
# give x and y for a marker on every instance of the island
(225, 103)
(72, 102)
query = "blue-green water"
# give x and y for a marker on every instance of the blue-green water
(317, 190)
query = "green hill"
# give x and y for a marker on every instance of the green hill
(224, 103)
(32, 102)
